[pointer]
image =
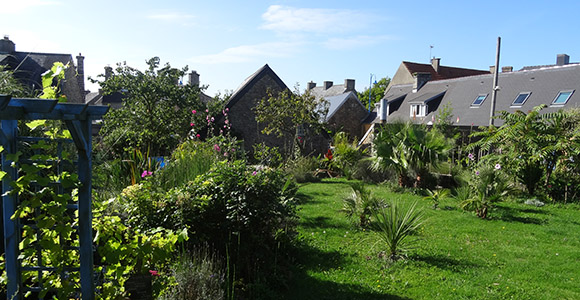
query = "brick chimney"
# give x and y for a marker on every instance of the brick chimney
(435, 62)
(194, 78)
(81, 73)
(310, 85)
(108, 72)
(327, 85)
(349, 84)
(7, 46)
(507, 69)
(562, 59)
(420, 79)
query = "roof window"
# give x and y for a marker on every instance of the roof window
(562, 97)
(479, 100)
(521, 99)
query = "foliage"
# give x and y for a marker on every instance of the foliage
(302, 169)
(51, 80)
(9, 85)
(198, 276)
(346, 154)
(155, 112)
(268, 156)
(283, 112)
(489, 184)
(406, 148)
(359, 204)
(444, 121)
(436, 196)
(396, 224)
(532, 145)
(377, 92)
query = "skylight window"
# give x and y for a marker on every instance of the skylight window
(479, 100)
(562, 97)
(521, 99)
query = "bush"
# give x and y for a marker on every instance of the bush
(302, 169)
(359, 204)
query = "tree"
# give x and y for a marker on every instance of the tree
(287, 113)
(157, 112)
(377, 92)
(408, 147)
(9, 85)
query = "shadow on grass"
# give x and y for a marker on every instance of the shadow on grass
(510, 214)
(302, 198)
(305, 286)
(317, 222)
(445, 262)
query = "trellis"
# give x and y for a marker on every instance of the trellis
(78, 119)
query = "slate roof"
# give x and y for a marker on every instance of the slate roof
(335, 90)
(29, 66)
(337, 101)
(444, 72)
(544, 84)
(251, 81)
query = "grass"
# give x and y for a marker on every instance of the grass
(522, 252)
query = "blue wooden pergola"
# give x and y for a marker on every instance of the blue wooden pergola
(78, 119)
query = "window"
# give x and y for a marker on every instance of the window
(479, 100)
(521, 99)
(562, 97)
(418, 110)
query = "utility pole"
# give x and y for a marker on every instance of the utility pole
(495, 87)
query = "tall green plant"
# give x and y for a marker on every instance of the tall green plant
(346, 154)
(406, 148)
(359, 204)
(396, 225)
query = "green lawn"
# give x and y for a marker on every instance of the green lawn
(522, 252)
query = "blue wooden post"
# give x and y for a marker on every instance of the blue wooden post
(10, 202)
(81, 133)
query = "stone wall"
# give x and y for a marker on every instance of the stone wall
(348, 118)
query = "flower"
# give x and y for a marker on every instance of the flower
(477, 173)
(207, 110)
(191, 124)
(227, 109)
(154, 273)
(212, 119)
(146, 173)
(197, 135)
(226, 121)
(194, 111)
(254, 173)
(470, 156)
(216, 147)
(497, 166)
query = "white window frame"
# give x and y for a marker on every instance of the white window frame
(418, 110)
(558, 96)
(480, 103)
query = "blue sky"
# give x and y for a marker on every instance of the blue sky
(226, 41)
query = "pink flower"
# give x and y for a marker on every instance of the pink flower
(477, 173)
(154, 273)
(212, 119)
(197, 135)
(191, 124)
(146, 173)
(254, 173)
(470, 156)
(216, 147)
(194, 111)
(226, 121)
(497, 166)
(207, 110)
(227, 109)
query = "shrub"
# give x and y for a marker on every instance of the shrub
(302, 169)
(488, 185)
(395, 225)
(436, 196)
(359, 204)
(346, 155)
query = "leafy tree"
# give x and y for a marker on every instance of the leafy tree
(9, 85)
(157, 112)
(377, 92)
(406, 148)
(532, 145)
(285, 113)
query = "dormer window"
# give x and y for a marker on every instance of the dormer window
(479, 100)
(418, 110)
(521, 99)
(562, 97)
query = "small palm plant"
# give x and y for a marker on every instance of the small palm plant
(359, 204)
(396, 224)
(436, 196)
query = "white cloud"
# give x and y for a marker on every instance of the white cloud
(11, 6)
(248, 53)
(355, 42)
(315, 20)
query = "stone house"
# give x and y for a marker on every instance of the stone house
(29, 66)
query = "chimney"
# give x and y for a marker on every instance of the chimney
(562, 59)
(420, 79)
(349, 84)
(492, 69)
(108, 72)
(435, 62)
(81, 73)
(7, 46)
(327, 85)
(507, 69)
(310, 85)
(194, 78)
(383, 111)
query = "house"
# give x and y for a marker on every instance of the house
(243, 118)
(346, 112)
(29, 66)
(470, 97)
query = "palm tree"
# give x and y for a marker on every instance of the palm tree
(405, 147)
